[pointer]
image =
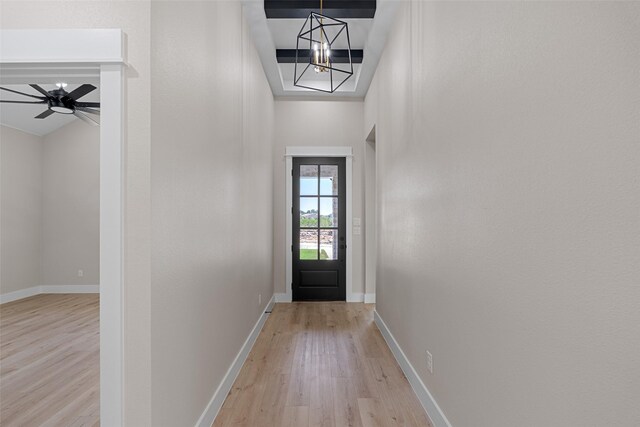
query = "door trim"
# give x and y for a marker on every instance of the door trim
(290, 153)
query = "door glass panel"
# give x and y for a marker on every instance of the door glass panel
(308, 180)
(309, 244)
(328, 212)
(329, 180)
(308, 212)
(328, 244)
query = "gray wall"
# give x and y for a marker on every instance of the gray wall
(71, 205)
(20, 210)
(212, 200)
(509, 200)
(50, 207)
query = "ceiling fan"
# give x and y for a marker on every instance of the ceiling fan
(62, 102)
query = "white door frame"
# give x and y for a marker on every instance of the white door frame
(83, 56)
(290, 153)
(370, 215)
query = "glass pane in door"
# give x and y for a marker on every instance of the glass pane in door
(328, 212)
(329, 180)
(309, 244)
(328, 244)
(308, 180)
(308, 212)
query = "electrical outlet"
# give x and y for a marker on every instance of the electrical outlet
(259, 298)
(80, 273)
(429, 362)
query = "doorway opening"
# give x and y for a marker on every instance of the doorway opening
(319, 236)
(371, 217)
(74, 56)
(292, 153)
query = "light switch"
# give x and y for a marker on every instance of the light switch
(357, 222)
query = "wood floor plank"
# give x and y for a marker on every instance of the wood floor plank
(345, 403)
(49, 361)
(274, 399)
(321, 365)
(321, 410)
(296, 416)
(372, 413)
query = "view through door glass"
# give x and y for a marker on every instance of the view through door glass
(318, 229)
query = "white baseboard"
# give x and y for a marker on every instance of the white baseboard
(282, 297)
(70, 289)
(212, 409)
(49, 289)
(19, 294)
(355, 297)
(437, 417)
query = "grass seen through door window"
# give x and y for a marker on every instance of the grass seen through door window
(313, 254)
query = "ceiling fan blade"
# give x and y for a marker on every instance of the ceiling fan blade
(44, 114)
(87, 110)
(88, 104)
(39, 89)
(81, 91)
(22, 93)
(23, 102)
(85, 118)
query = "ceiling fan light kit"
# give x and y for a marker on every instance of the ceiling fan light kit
(315, 67)
(58, 106)
(62, 102)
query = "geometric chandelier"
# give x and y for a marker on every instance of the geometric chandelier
(316, 67)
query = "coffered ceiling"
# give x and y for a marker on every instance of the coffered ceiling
(275, 24)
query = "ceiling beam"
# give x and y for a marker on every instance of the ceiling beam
(339, 56)
(296, 9)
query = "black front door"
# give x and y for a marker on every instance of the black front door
(319, 238)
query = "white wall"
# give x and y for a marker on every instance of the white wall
(51, 207)
(342, 123)
(212, 200)
(509, 170)
(20, 210)
(71, 205)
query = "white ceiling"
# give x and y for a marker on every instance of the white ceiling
(271, 34)
(21, 116)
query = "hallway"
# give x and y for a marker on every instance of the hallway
(321, 364)
(472, 168)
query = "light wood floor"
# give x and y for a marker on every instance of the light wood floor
(49, 361)
(321, 364)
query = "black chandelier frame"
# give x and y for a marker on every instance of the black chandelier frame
(306, 35)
